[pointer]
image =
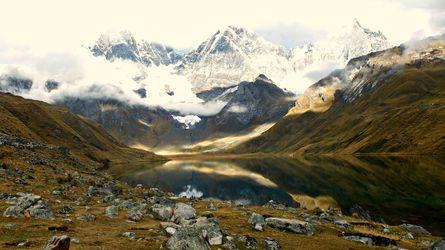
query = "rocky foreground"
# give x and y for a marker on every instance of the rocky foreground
(50, 200)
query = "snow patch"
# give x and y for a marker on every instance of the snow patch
(188, 121)
(190, 192)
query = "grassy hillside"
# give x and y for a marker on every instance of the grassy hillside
(58, 126)
(403, 114)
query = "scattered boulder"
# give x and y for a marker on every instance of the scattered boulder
(112, 211)
(183, 211)
(9, 225)
(363, 240)
(249, 242)
(369, 239)
(40, 211)
(130, 235)
(210, 230)
(292, 225)
(408, 236)
(360, 212)
(58, 243)
(343, 223)
(108, 198)
(169, 227)
(415, 229)
(23, 202)
(439, 245)
(187, 238)
(212, 207)
(162, 201)
(67, 209)
(135, 214)
(271, 244)
(161, 212)
(257, 220)
(87, 217)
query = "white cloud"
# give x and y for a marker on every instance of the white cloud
(83, 75)
(58, 23)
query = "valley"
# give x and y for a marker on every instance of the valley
(317, 134)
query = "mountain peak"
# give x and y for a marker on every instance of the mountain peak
(122, 45)
(262, 77)
(356, 23)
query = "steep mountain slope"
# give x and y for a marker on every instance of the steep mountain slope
(350, 42)
(57, 126)
(236, 54)
(134, 125)
(385, 102)
(123, 45)
(249, 104)
(231, 56)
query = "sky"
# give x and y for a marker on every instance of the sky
(44, 39)
(60, 24)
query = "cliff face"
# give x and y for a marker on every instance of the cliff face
(56, 125)
(385, 102)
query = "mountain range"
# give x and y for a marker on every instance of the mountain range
(389, 101)
(235, 54)
(308, 122)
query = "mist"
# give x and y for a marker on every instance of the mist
(81, 75)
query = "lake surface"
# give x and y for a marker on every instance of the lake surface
(395, 189)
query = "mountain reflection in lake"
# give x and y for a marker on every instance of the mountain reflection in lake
(395, 189)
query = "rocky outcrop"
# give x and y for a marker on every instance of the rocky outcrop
(58, 243)
(291, 225)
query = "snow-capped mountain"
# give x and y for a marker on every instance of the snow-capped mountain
(231, 56)
(340, 47)
(235, 55)
(122, 45)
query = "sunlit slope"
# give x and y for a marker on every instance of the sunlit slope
(402, 112)
(58, 126)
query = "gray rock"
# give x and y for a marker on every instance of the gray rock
(249, 242)
(135, 214)
(130, 235)
(292, 225)
(161, 212)
(11, 200)
(87, 217)
(212, 207)
(41, 211)
(360, 212)
(67, 209)
(271, 244)
(187, 238)
(23, 202)
(408, 236)
(256, 219)
(258, 227)
(229, 243)
(210, 230)
(58, 243)
(439, 245)
(162, 201)
(112, 211)
(75, 241)
(363, 240)
(9, 225)
(342, 223)
(108, 198)
(415, 229)
(183, 211)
